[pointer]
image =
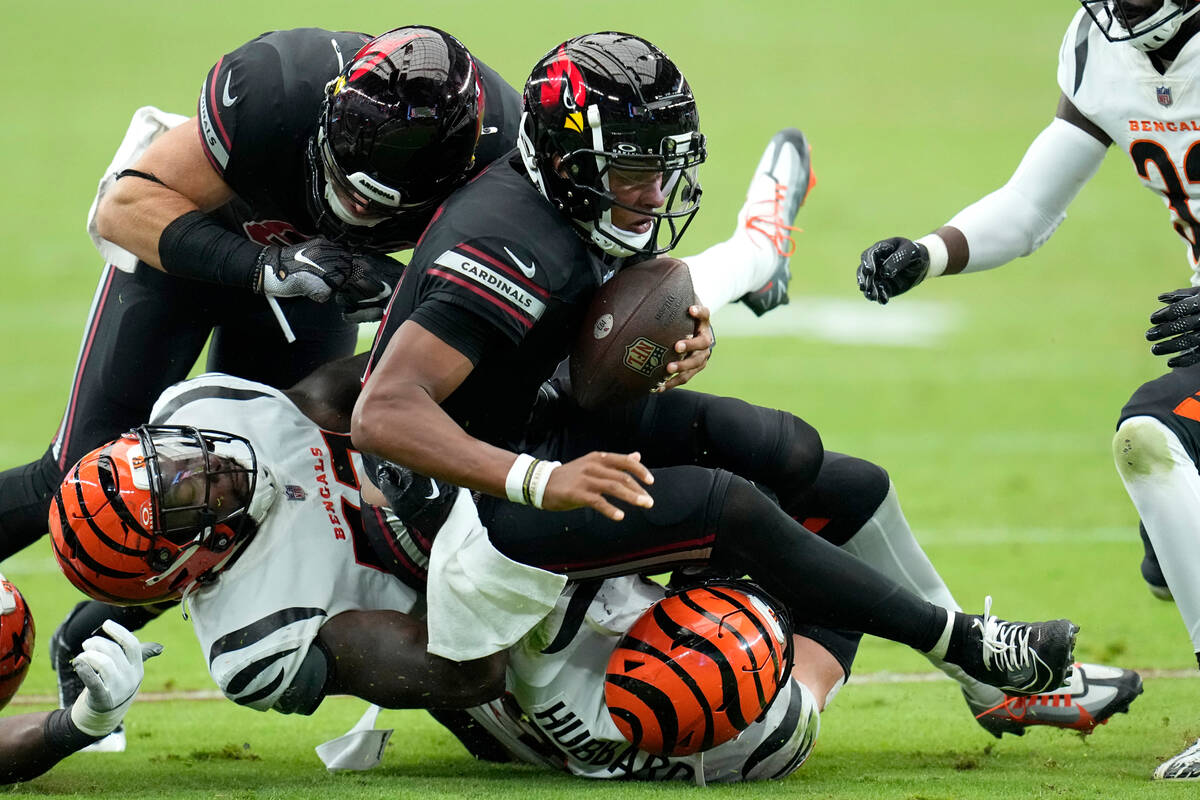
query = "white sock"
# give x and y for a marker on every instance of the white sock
(886, 542)
(1162, 481)
(726, 271)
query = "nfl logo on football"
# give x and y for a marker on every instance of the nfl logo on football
(644, 356)
(1164, 95)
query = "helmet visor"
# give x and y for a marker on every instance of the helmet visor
(198, 479)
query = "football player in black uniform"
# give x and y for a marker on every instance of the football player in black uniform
(312, 153)
(308, 146)
(606, 173)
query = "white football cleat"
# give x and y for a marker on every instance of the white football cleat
(1092, 695)
(1183, 767)
(780, 185)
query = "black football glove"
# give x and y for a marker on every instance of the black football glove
(365, 297)
(891, 267)
(314, 269)
(1177, 327)
(417, 501)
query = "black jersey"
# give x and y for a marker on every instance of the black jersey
(258, 109)
(502, 277)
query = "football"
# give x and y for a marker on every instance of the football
(629, 333)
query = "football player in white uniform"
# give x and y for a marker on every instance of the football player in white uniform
(1127, 72)
(555, 712)
(260, 533)
(110, 669)
(301, 608)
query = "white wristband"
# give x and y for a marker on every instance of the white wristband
(539, 479)
(97, 723)
(939, 256)
(514, 484)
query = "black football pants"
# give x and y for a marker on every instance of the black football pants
(704, 452)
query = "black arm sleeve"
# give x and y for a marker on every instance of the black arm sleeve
(197, 247)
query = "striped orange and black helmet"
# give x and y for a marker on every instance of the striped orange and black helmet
(141, 518)
(698, 667)
(16, 640)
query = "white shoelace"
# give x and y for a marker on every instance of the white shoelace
(1004, 642)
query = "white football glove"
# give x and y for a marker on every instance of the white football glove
(111, 670)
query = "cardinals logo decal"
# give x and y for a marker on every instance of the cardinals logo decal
(564, 86)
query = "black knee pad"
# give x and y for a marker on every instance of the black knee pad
(308, 687)
(1174, 400)
(841, 644)
(845, 495)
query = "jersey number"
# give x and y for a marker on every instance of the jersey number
(1144, 152)
(340, 452)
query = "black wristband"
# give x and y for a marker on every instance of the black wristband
(62, 736)
(196, 246)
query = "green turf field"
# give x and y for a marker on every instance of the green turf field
(990, 398)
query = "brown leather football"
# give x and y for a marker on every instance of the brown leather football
(629, 333)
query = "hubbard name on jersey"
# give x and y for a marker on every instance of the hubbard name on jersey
(1153, 117)
(307, 562)
(554, 713)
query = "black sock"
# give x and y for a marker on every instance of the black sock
(89, 615)
(26, 493)
(964, 647)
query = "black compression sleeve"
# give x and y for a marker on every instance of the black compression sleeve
(62, 737)
(196, 246)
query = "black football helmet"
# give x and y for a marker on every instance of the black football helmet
(1146, 29)
(397, 131)
(606, 105)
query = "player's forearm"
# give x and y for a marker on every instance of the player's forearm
(172, 178)
(25, 750)
(1018, 218)
(134, 215)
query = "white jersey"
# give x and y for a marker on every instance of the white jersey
(554, 713)
(1153, 118)
(307, 562)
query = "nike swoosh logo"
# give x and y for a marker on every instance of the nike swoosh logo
(527, 271)
(338, 50)
(435, 492)
(303, 259)
(225, 98)
(384, 293)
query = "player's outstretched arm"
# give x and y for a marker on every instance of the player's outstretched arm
(111, 668)
(1011, 222)
(398, 417)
